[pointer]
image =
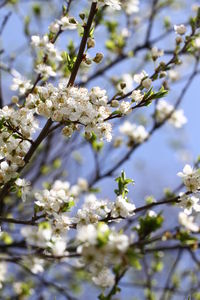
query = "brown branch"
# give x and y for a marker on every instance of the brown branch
(22, 222)
(79, 58)
(171, 273)
(3, 3)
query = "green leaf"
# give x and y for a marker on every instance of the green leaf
(36, 9)
(6, 238)
(185, 238)
(94, 190)
(111, 26)
(102, 237)
(67, 206)
(122, 184)
(45, 170)
(2, 123)
(133, 259)
(57, 163)
(96, 145)
(149, 224)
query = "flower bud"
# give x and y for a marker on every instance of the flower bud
(88, 135)
(82, 16)
(90, 43)
(122, 85)
(67, 131)
(98, 58)
(146, 83)
(114, 103)
(15, 99)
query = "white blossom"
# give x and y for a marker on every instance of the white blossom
(25, 187)
(37, 236)
(190, 177)
(93, 210)
(155, 53)
(131, 6)
(21, 84)
(3, 271)
(76, 105)
(18, 125)
(118, 241)
(114, 4)
(83, 184)
(127, 81)
(165, 110)
(189, 203)
(188, 222)
(58, 246)
(146, 83)
(67, 22)
(125, 107)
(38, 42)
(136, 134)
(122, 208)
(57, 199)
(178, 118)
(174, 75)
(87, 233)
(35, 264)
(101, 247)
(197, 43)
(139, 77)
(48, 48)
(45, 71)
(137, 96)
(180, 29)
(104, 278)
(98, 96)
(54, 27)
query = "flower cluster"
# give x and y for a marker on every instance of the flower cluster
(122, 208)
(64, 23)
(47, 48)
(136, 134)
(94, 210)
(43, 44)
(189, 201)
(143, 79)
(55, 200)
(188, 222)
(165, 110)
(101, 248)
(137, 96)
(58, 200)
(17, 127)
(20, 83)
(44, 237)
(36, 263)
(73, 106)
